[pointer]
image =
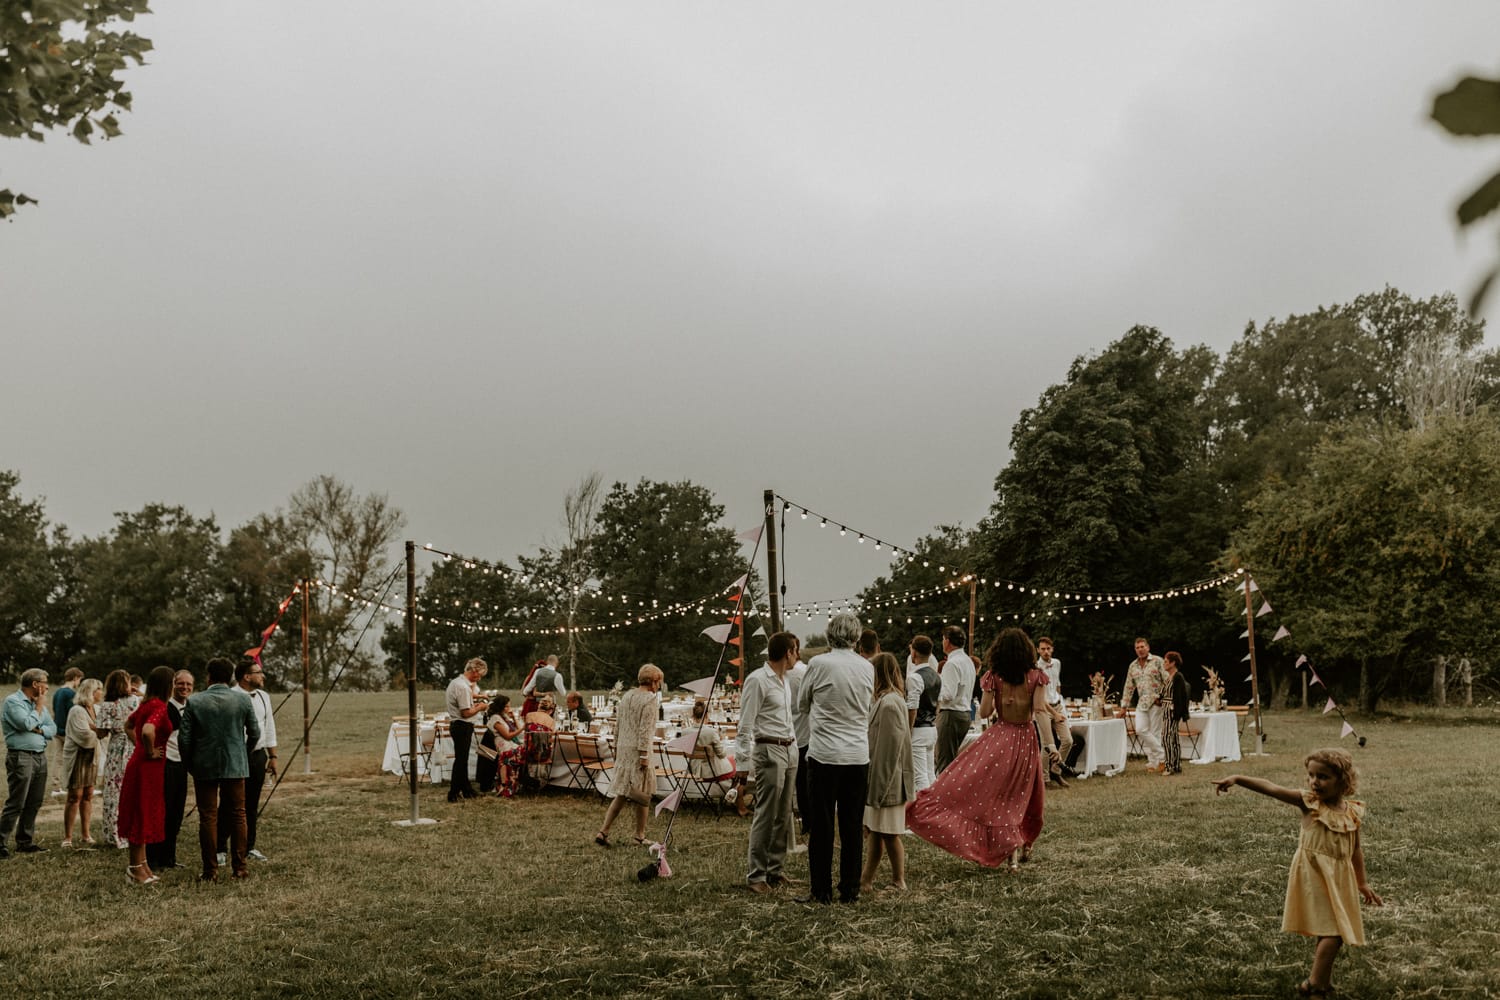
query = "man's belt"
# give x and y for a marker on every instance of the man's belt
(772, 741)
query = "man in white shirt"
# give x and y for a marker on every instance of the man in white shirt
(250, 680)
(1052, 667)
(802, 732)
(922, 688)
(954, 697)
(175, 779)
(835, 697)
(767, 742)
(463, 704)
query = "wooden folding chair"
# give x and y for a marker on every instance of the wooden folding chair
(565, 747)
(1133, 746)
(711, 788)
(1241, 713)
(677, 777)
(424, 749)
(593, 765)
(1188, 737)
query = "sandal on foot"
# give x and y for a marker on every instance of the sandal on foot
(641, 841)
(1026, 854)
(1011, 864)
(1307, 989)
(602, 839)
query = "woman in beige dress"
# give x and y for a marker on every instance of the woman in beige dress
(892, 776)
(79, 764)
(632, 778)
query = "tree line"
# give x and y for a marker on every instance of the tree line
(1347, 458)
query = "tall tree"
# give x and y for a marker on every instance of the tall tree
(660, 546)
(261, 565)
(29, 580)
(1386, 554)
(149, 592)
(349, 539)
(576, 560)
(60, 65)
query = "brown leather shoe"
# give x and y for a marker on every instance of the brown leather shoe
(759, 888)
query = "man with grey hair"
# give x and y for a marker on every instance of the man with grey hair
(835, 698)
(954, 696)
(28, 727)
(464, 703)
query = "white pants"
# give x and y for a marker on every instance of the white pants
(923, 739)
(1148, 731)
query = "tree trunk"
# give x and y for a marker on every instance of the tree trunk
(1466, 678)
(1366, 692)
(1440, 680)
(1280, 690)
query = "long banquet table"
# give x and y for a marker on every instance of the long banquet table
(1218, 736)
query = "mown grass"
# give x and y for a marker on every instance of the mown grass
(1143, 886)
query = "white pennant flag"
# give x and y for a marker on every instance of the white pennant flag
(1301, 660)
(1346, 730)
(1245, 658)
(670, 802)
(1329, 707)
(1253, 585)
(753, 535)
(1265, 609)
(684, 744)
(718, 633)
(1315, 678)
(1245, 634)
(759, 631)
(736, 585)
(1281, 633)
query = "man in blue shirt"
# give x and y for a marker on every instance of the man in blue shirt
(27, 726)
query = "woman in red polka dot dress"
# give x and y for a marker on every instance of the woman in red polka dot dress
(987, 805)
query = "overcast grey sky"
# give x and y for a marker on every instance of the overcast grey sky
(465, 252)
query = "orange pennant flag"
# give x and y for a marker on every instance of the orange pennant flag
(738, 641)
(254, 653)
(736, 661)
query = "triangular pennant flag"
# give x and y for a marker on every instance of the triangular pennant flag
(1249, 678)
(737, 641)
(684, 744)
(1329, 707)
(738, 584)
(1301, 660)
(1315, 678)
(701, 688)
(670, 802)
(281, 610)
(254, 654)
(1281, 633)
(1265, 609)
(1245, 634)
(718, 633)
(759, 631)
(753, 535)
(736, 661)
(1245, 658)
(1346, 730)
(1253, 585)
(266, 632)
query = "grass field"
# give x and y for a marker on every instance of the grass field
(1142, 886)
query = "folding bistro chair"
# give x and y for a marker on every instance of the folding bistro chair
(593, 765)
(710, 789)
(677, 777)
(565, 748)
(424, 750)
(1188, 737)
(1133, 746)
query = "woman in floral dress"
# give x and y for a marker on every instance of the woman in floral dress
(113, 713)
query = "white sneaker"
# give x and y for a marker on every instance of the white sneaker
(255, 855)
(223, 859)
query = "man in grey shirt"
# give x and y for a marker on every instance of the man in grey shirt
(835, 698)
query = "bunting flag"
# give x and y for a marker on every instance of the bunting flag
(670, 802)
(1301, 660)
(1249, 678)
(1245, 634)
(1347, 730)
(1245, 658)
(738, 584)
(1281, 633)
(684, 744)
(718, 633)
(1315, 678)
(737, 641)
(1253, 585)
(1329, 707)
(1265, 609)
(760, 631)
(737, 661)
(753, 535)
(269, 630)
(700, 688)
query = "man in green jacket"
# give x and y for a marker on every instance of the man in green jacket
(218, 727)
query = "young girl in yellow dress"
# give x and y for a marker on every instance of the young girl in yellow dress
(1327, 878)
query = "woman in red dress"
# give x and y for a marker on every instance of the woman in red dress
(143, 809)
(987, 805)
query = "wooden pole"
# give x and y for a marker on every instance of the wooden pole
(1260, 733)
(306, 679)
(973, 600)
(771, 579)
(413, 734)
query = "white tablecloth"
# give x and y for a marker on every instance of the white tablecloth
(442, 752)
(1104, 748)
(1218, 736)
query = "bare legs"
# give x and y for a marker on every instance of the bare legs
(1326, 951)
(615, 805)
(80, 805)
(139, 870)
(883, 843)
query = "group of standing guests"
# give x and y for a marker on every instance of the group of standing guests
(1161, 706)
(224, 737)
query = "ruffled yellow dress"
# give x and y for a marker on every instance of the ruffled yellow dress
(1322, 894)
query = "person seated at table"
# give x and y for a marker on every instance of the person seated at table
(576, 711)
(535, 759)
(502, 737)
(716, 763)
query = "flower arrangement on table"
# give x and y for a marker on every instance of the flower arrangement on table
(616, 693)
(1100, 685)
(1213, 694)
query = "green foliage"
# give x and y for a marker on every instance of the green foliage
(29, 579)
(1472, 108)
(1387, 552)
(60, 66)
